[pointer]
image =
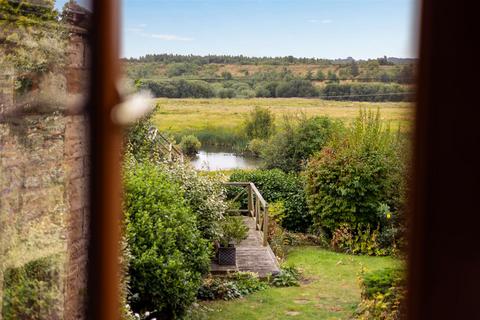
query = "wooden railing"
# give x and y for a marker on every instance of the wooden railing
(257, 207)
(171, 152)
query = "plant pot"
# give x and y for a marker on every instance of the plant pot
(227, 256)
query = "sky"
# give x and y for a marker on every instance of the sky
(330, 29)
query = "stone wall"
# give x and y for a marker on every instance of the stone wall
(44, 172)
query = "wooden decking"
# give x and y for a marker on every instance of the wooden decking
(252, 255)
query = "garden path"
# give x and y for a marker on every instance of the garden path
(252, 255)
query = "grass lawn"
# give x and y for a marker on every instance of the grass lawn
(182, 115)
(330, 291)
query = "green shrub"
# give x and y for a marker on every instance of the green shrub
(168, 254)
(276, 185)
(383, 295)
(228, 93)
(234, 230)
(256, 146)
(289, 276)
(178, 88)
(204, 195)
(299, 138)
(357, 179)
(367, 92)
(34, 290)
(296, 88)
(234, 286)
(190, 145)
(259, 123)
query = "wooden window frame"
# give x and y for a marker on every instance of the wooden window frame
(444, 259)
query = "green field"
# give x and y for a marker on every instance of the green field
(330, 289)
(193, 115)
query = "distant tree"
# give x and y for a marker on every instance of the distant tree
(227, 75)
(320, 75)
(260, 123)
(332, 76)
(355, 71)
(309, 75)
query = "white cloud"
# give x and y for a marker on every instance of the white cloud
(142, 25)
(325, 21)
(167, 37)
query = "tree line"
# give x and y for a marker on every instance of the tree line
(181, 88)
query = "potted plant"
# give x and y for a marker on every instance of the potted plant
(234, 231)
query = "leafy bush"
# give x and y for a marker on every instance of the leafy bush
(234, 286)
(260, 123)
(34, 290)
(289, 276)
(298, 139)
(228, 93)
(357, 179)
(276, 185)
(255, 146)
(366, 92)
(204, 195)
(234, 230)
(178, 88)
(383, 295)
(296, 88)
(180, 69)
(168, 254)
(190, 145)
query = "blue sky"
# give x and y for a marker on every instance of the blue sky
(303, 28)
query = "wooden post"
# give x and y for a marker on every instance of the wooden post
(250, 200)
(265, 226)
(257, 211)
(169, 152)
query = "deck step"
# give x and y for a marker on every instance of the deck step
(251, 255)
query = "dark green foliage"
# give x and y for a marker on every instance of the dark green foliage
(234, 286)
(190, 145)
(358, 179)
(296, 88)
(168, 254)
(378, 282)
(34, 290)
(366, 92)
(259, 123)
(178, 88)
(298, 139)
(228, 93)
(320, 75)
(276, 185)
(180, 69)
(332, 77)
(289, 276)
(267, 89)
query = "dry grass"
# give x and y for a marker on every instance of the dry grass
(179, 115)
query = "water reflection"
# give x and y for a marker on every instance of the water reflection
(211, 159)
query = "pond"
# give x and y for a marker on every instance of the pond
(214, 158)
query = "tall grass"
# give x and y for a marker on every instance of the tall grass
(217, 136)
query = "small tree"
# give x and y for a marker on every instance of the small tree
(320, 75)
(260, 123)
(354, 69)
(190, 145)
